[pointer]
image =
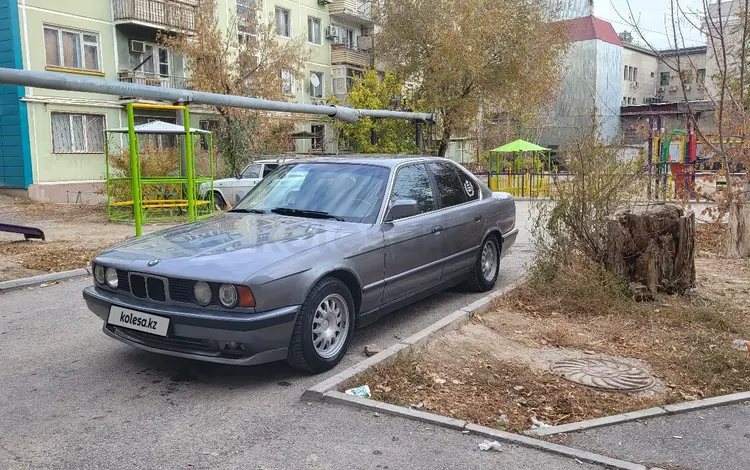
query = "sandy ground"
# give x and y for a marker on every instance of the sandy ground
(74, 234)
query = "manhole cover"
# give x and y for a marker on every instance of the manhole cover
(604, 374)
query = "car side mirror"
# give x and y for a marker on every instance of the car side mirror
(401, 209)
(238, 176)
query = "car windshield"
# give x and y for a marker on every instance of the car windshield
(348, 192)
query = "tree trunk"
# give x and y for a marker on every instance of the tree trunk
(444, 142)
(739, 230)
(653, 246)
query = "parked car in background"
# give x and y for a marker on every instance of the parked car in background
(318, 248)
(229, 191)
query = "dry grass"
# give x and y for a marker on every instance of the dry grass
(685, 341)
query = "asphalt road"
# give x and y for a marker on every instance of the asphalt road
(715, 438)
(74, 398)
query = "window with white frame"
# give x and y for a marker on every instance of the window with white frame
(154, 60)
(318, 132)
(77, 133)
(346, 37)
(246, 22)
(71, 48)
(288, 82)
(316, 91)
(283, 22)
(313, 30)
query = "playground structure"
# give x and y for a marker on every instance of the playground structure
(523, 174)
(148, 181)
(672, 165)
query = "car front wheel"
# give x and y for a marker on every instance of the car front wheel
(324, 327)
(486, 267)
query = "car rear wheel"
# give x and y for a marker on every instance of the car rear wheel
(219, 203)
(487, 266)
(324, 327)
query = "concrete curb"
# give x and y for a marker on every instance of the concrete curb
(450, 322)
(16, 284)
(641, 414)
(456, 424)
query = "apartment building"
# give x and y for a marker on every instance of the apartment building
(51, 142)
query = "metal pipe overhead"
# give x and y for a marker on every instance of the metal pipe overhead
(70, 82)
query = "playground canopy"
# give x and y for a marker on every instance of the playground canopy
(519, 145)
(157, 127)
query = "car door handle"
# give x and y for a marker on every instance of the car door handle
(437, 229)
(477, 218)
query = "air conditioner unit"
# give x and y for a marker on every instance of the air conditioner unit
(660, 89)
(673, 88)
(333, 32)
(138, 47)
(325, 2)
(364, 43)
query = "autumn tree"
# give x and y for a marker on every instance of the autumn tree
(369, 135)
(470, 54)
(246, 59)
(727, 87)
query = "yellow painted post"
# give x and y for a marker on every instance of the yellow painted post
(189, 152)
(135, 180)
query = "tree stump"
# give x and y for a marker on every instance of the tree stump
(653, 245)
(739, 230)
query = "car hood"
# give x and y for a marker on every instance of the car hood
(225, 248)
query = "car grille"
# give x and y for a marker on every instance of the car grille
(123, 283)
(180, 290)
(142, 286)
(172, 342)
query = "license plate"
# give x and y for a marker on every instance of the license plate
(138, 321)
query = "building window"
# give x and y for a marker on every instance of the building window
(77, 133)
(346, 37)
(701, 76)
(154, 60)
(686, 76)
(664, 80)
(625, 73)
(71, 49)
(313, 30)
(246, 21)
(210, 125)
(652, 74)
(316, 91)
(283, 22)
(319, 133)
(288, 82)
(635, 74)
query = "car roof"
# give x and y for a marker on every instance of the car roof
(390, 161)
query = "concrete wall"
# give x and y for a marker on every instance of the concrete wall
(15, 161)
(691, 63)
(644, 85)
(609, 73)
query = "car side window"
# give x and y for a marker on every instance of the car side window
(413, 182)
(450, 186)
(252, 171)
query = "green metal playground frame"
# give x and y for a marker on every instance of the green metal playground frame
(181, 202)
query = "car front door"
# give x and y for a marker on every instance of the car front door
(463, 221)
(414, 245)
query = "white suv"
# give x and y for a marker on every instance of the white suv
(229, 191)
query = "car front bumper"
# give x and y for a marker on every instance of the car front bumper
(202, 335)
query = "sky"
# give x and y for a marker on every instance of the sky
(653, 18)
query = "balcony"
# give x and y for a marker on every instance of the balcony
(153, 79)
(357, 11)
(342, 55)
(169, 15)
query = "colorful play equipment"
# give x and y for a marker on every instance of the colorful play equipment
(146, 180)
(518, 168)
(672, 164)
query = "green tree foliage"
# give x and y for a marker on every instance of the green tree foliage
(462, 56)
(391, 135)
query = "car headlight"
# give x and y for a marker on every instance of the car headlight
(228, 295)
(111, 276)
(202, 293)
(99, 274)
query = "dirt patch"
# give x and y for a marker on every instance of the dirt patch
(74, 234)
(494, 371)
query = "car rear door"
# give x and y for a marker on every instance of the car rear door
(463, 220)
(414, 245)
